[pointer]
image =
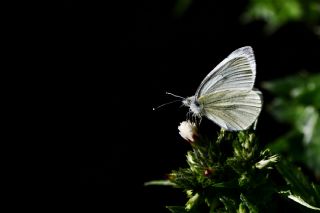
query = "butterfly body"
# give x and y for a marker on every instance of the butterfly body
(226, 95)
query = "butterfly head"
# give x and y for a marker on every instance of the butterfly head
(194, 105)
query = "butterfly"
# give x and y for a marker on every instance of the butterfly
(226, 95)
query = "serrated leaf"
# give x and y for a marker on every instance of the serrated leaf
(252, 208)
(302, 202)
(298, 184)
(192, 201)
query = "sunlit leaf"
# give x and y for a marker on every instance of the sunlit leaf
(277, 13)
(297, 103)
(299, 184)
(302, 202)
(159, 183)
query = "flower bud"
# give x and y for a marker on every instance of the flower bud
(188, 131)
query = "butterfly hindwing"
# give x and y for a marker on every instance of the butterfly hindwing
(232, 110)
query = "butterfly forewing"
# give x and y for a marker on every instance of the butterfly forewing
(236, 72)
(232, 110)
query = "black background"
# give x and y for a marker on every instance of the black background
(116, 61)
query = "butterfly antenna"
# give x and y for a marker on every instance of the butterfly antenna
(164, 104)
(178, 96)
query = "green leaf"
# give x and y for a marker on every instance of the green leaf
(159, 183)
(297, 103)
(242, 208)
(229, 204)
(312, 151)
(302, 88)
(277, 13)
(192, 201)
(302, 202)
(306, 123)
(299, 185)
(252, 208)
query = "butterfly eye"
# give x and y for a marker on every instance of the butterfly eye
(196, 103)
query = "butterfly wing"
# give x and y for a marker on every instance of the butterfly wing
(236, 72)
(232, 110)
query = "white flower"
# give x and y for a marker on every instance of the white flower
(188, 130)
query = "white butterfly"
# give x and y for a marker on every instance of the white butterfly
(226, 95)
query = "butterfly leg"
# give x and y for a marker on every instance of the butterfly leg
(195, 118)
(200, 119)
(187, 116)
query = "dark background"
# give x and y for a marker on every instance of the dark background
(118, 60)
